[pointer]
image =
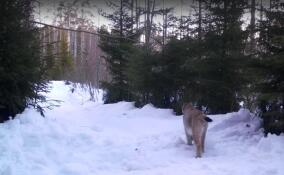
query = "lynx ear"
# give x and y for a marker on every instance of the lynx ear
(183, 107)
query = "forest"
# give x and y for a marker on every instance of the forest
(220, 55)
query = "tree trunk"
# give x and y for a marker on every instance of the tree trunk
(199, 20)
(147, 27)
(252, 27)
(132, 15)
(120, 19)
(261, 10)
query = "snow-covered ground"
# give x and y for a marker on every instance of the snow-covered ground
(88, 138)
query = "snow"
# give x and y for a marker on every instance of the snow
(81, 137)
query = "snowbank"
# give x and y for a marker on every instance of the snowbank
(85, 138)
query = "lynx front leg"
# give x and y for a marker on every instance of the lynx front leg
(198, 150)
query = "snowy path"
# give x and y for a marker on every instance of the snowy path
(86, 138)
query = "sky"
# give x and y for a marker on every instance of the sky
(45, 10)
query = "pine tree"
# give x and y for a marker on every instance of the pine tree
(50, 62)
(21, 66)
(65, 61)
(141, 76)
(171, 74)
(118, 45)
(271, 64)
(220, 78)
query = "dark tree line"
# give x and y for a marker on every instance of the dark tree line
(270, 63)
(211, 58)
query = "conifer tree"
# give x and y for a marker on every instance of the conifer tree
(223, 54)
(118, 45)
(143, 82)
(65, 61)
(21, 65)
(271, 66)
(50, 62)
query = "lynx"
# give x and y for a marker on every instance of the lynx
(195, 125)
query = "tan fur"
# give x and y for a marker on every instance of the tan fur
(195, 127)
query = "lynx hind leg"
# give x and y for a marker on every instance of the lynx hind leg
(198, 143)
(203, 138)
(203, 141)
(189, 139)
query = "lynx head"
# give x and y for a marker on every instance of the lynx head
(187, 106)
